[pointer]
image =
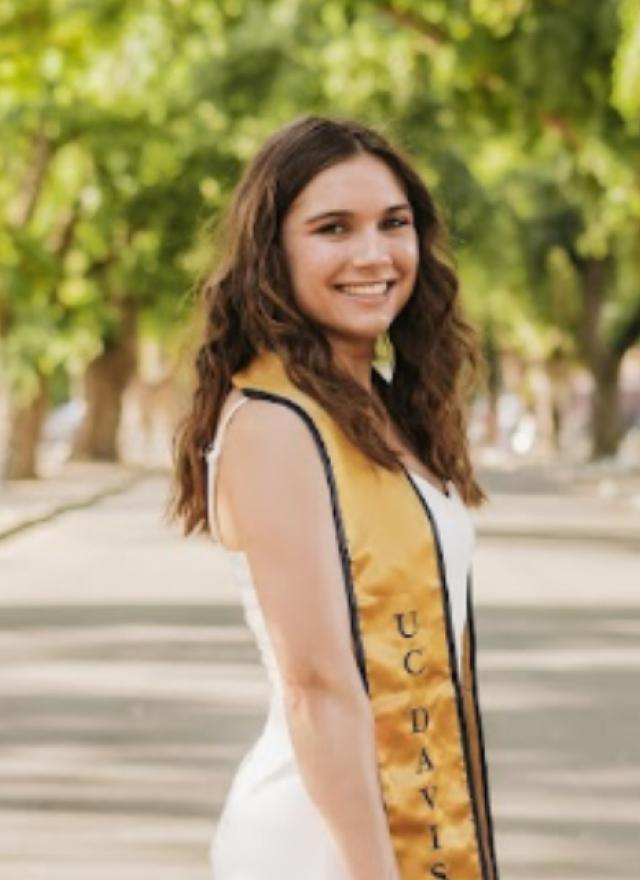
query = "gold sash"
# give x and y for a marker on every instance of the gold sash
(428, 729)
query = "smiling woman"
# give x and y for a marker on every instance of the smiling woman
(367, 255)
(342, 499)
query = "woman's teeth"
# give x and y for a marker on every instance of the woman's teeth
(375, 289)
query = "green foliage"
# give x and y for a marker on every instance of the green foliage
(126, 125)
(626, 71)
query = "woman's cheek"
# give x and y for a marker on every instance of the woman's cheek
(408, 250)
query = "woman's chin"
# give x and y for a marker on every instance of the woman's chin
(364, 336)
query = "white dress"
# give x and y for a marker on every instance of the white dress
(269, 828)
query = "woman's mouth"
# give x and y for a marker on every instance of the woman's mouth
(375, 289)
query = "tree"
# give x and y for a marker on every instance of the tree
(560, 161)
(127, 125)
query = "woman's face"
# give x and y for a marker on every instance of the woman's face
(352, 250)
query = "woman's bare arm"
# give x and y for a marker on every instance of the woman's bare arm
(276, 503)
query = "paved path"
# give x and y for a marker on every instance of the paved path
(130, 690)
(551, 500)
(560, 661)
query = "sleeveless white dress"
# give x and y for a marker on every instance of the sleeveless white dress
(270, 828)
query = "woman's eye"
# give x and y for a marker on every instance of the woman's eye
(339, 228)
(396, 222)
(332, 228)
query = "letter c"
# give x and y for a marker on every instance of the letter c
(407, 662)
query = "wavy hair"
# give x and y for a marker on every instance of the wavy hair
(249, 306)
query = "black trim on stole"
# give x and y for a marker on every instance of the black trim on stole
(343, 548)
(453, 665)
(476, 705)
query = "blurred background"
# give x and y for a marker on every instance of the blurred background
(130, 686)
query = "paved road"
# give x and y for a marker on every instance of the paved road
(130, 689)
(560, 628)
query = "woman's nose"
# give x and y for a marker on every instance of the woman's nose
(370, 247)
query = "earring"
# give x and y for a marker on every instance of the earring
(383, 354)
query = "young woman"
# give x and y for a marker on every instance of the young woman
(342, 499)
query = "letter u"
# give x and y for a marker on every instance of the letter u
(401, 625)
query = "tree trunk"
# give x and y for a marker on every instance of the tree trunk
(606, 414)
(542, 403)
(494, 383)
(603, 361)
(25, 424)
(105, 381)
(558, 372)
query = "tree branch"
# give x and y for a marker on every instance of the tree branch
(25, 204)
(432, 34)
(63, 233)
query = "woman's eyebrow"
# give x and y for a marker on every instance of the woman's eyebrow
(342, 212)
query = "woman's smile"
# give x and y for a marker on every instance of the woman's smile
(367, 290)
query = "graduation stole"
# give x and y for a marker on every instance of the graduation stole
(428, 731)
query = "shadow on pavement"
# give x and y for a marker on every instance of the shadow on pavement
(559, 692)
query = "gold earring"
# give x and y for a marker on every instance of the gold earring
(383, 351)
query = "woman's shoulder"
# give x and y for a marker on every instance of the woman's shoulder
(262, 428)
(265, 467)
(233, 400)
(269, 414)
(271, 477)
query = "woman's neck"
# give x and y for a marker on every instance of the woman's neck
(358, 364)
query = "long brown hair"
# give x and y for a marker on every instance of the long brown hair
(249, 306)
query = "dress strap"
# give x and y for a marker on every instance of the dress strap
(211, 454)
